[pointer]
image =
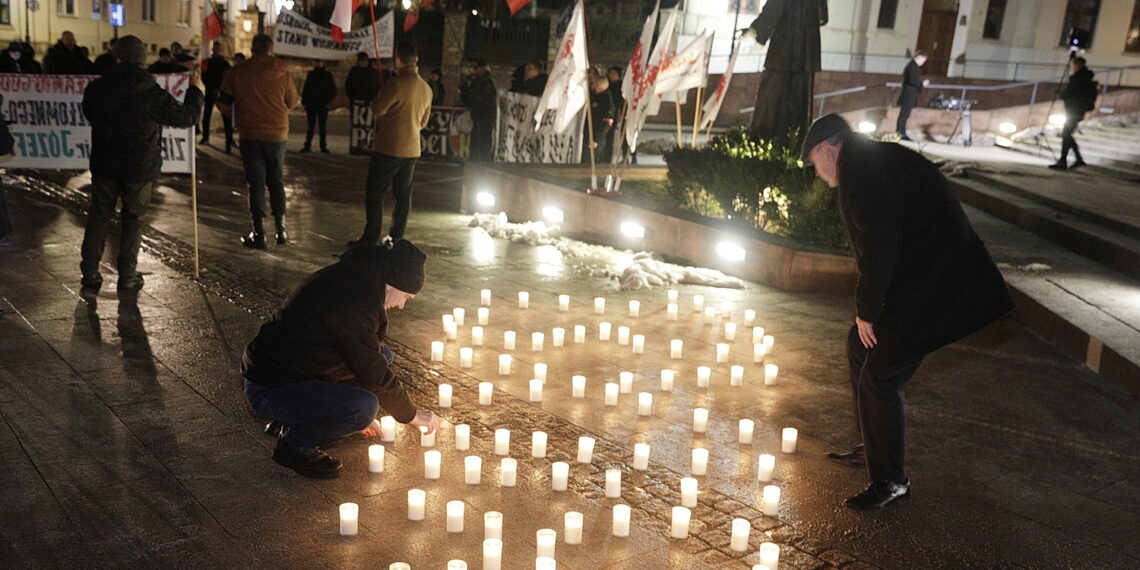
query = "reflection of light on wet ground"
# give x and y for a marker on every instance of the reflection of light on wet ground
(483, 247)
(549, 262)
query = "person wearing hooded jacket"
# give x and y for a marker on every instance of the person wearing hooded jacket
(318, 369)
(127, 111)
(1079, 96)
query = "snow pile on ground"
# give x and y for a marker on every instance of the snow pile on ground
(641, 270)
(1027, 268)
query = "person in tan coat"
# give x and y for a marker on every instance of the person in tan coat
(258, 94)
(402, 110)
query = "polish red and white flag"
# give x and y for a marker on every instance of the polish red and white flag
(712, 106)
(341, 19)
(566, 90)
(516, 5)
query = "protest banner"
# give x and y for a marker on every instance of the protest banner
(520, 141)
(447, 134)
(45, 116)
(297, 36)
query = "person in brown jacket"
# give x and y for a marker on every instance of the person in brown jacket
(258, 94)
(402, 110)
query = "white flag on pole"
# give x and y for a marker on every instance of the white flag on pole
(712, 106)
(635, 72)
(688, 68)
(566, 91)
(648, 102)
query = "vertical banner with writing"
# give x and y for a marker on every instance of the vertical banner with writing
(520, 141)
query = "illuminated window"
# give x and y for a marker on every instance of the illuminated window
(65, 7)
(149, 11)
(6, 12)
(184, 12)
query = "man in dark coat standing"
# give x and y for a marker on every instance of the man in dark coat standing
(127, 111)
(105, 59)
(213, 74)
(316, 95)
(318, 369)
(66, 58)
(783, 100)
(362, 83)
(479, 95)
(1079, 96)
(912, 84)
(925, 280)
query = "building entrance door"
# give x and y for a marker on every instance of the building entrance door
(936, 36)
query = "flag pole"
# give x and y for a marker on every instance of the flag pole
(589, 99)
(194, 201)
(677, 106)
(697, 113)
(376, 44)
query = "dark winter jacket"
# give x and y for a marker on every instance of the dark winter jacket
(362, 84)
(925, 278)
(438, 92)
(330, 329)
(911, 85)
(480, 97)
(127, 111)
(534, 86)
(602, 111)
(1079, 94)
(62, 61)
(214, 72)
(102, 62)
(166, 67)
(319, 89)
(9, 65)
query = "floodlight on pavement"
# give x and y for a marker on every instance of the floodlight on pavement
(867, 127)
(1056, 119)
(633, 230)
(730, 251)
(1007, 128)
(553, 214)
(485, 199)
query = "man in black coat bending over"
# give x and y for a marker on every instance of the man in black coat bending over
(318, 369)
(925, 280)
(912, 84)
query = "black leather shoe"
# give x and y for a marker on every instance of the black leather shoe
(274, 428)
(254, 240)
(305, 149)
(282, 237)
(1058, 166)
(316, 465)
(878, 497)
(325, 149)
(1079, 163)
(853, 458)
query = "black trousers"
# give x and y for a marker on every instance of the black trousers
(105, 194)
(386, 172)
(317, 116)
(208, 113)
(880, 407)
(904, 116)
(482, 138)
(1067, 140)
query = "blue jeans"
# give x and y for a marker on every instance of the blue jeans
(263, 162)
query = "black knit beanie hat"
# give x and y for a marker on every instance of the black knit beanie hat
(406, 267)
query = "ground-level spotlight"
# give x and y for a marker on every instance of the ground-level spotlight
(1007, 128)
(633, 230)
(485, 199)
(1056, 120)
(553, 214)
(867, 127)
(730, 251)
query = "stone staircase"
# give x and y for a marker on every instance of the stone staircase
(1111, 145)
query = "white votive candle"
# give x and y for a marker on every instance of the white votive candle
(564, 303)
(558, 336)
(492, 525)
(638, 344)
(625, 381)
(613, 483)
(769, 341)
(537, 340)
(399, 566)
(559, 475)
(484, 315)
(509, 471)
(456, 565)
(504, 365)
(536, 390)
(451, 329)
(749, 317)
(765, 467)
(689, 488)
(698, 303)
(680, 527)
(635, 308)
(644, 404)
(623, 336)
(437, 351)
(736, 375)
(788, 442)
(460, 315)
(545, 563)
(487, 391)
(427, 439)
(388, 428)
(445, 395)
(620, 525)
(741, 528)
(578, 386)
(746, 429)
(759, 351)
(540, 369)
(585, 449)
(770, 373)
(485, 297)
(509, 338)
(538, 444)
(667, 377)
(704, 373)
(579, 334)
(375, 458)
(349, 519)
(611, 394)
(710, 314)
(455, 510)
(572, 527)
(700, 462)
(472, 469)
(466, 356)
(700, 420)
(447, 318)
(672, 295)
(462, 437)
(492, 554)
(771, 500)
(432, 464)
(729, 331)
(671, 312)
(721, 352)
(477, 336)
(770, 555)
(676, 346)
(599, 305)
(604, 331)
(641, 456)
(758, 334)
(545, 540)
(524, 300)
(502, 441)
(417, 500)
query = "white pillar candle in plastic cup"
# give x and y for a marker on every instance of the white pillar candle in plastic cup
(741, 528)
(585, 449)
(545, 563)
(700, 463)
(427, 439)
(472, 469)
(417, 500)
(700, 420)
(770, 372)
(524, 300)
(545, 541)
(492, 554)
(447, 318)
(559, 475)
(462, 437)
(455, 510)
(604, 329)
(710, 314)
(572, 527)
(399, 566)
(484, 315)
(536, 390)
(349, 519)
(625, 382)
(765, 467)
(538, 444)
(680, 526)
(492, 525)
(613, 483)
(676, 348)
(579, 334)
(623, 335)
(634, 309)
(771, 500)
(644, 404)
(689, 488)
(747, 427)
(621, 516)
(729, 331)
(486, 393)
(558, 336)
(445, 395)
(466, 357)
(736, 375)
(599, 305)
(509, 340)
(759, 352)
(671, 312)
(721, 352)
(537, 340)
(749, 317)
(388, 427)
(432, 464)
(769, 341)
(641, 456)
(509, 469)
(375, 458)
(724, 311)
(667, 377)
(476, 336)
(504, 365)
(456, 565)
(437, 350)
(502, 441)
(460, 315)
(578, 386)
(758, 335)
(564, 303)
(611, 394)
(451, 329)
(638, 344)
(704, 373)
(540, 369)
(698, 303)
(672, 295)
(788, 441)
(485, 297)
